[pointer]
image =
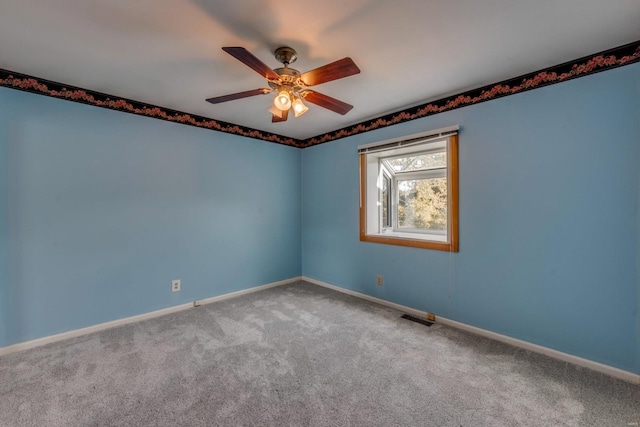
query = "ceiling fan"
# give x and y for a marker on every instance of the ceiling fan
(291, 85)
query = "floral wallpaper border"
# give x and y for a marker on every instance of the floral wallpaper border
(617, 57)
(613, 58)
(58, 90)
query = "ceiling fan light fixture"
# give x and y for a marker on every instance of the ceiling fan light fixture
(282, 101)
(298, 107)
(276, 111)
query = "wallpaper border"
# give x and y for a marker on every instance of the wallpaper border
(39, 86)
(609, 59)
(612, 58)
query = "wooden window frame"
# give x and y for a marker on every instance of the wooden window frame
(453, 210)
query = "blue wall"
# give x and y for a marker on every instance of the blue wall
(549, 194)
(4, 230)
(100, 210)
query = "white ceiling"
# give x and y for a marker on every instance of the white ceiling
(168, 52)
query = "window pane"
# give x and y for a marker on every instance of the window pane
(422, 204)
(386, 201)
(418, 162)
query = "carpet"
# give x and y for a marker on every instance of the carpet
(301, 355)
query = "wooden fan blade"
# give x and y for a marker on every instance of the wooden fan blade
(336, 70)
(247, 58)
(275, 118)
(239, 95)
(327, 102)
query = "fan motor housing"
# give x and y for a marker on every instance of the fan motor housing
(288, 77)
(286, 71)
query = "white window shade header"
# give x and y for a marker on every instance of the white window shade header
(406, 141)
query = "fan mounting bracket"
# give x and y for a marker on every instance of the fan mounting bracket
(286, 55)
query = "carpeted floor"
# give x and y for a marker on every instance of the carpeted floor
(301, 355)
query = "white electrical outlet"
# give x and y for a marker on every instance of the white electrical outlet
(175, 285)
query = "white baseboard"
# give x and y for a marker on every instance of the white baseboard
(248, 291)
(579, 361)
(585, 363)
(108, 325)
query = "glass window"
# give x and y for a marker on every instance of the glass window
(409, 194)
(418, 162)
(422, 204)
(386, 201)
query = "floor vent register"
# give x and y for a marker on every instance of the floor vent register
(417, 320)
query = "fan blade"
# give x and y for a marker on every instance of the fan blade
(344, 67)
(247, 58)
(239, 95)
(275, 118)
(327, 102)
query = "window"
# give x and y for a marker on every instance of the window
(409, 191)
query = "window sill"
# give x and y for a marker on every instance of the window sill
(408, 239)
(414, 236)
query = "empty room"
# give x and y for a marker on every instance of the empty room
(363, 213)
